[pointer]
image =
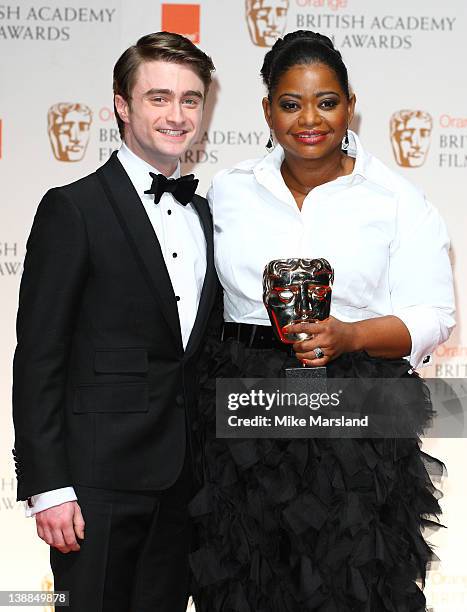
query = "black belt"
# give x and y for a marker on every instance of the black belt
(255, 336)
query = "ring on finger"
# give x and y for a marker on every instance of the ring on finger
(318, 352)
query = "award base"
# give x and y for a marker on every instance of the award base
(317, 372)
(317, 376)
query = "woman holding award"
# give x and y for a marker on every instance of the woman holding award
(320, 524)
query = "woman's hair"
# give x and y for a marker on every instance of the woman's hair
(302, 47)
(162, 46)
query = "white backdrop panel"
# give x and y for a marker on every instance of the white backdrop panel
(400, 55)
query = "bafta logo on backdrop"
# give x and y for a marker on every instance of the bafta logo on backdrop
(266, 20)
(68, 128)
(410, 137)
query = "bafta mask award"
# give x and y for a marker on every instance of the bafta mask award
(297, 291)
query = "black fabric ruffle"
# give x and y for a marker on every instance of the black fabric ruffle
(295, 525)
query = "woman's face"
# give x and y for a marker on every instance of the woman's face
(309, 112)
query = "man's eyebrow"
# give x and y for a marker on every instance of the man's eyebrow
(153, 91)
(169, 92)
(193, 92)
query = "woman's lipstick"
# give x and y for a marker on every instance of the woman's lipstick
(310, 137)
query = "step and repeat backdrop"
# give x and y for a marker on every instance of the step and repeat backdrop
(405, 61)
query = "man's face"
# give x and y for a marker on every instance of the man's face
(266, 20)
(69, 135)
(163, 117)
(411, 142)
(296, 297)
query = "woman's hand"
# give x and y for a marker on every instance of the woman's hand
(332, 336)
(380, 337)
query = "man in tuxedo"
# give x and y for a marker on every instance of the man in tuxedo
(117, 288)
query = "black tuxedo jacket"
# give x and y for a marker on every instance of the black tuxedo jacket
(102, 390)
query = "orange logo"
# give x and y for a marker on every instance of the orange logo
(410, 137)
(68, 129)
(182, 19)
(266, 20)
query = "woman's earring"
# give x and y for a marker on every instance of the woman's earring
(345, 141)
(271, 144)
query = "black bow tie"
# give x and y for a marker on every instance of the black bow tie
(182, 189)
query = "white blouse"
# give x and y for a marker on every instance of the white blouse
(387, 244)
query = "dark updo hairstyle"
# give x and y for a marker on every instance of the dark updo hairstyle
(302, 47)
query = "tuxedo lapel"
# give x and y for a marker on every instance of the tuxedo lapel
(208, 290)
(135, 224)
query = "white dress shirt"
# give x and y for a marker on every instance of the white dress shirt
(388, 245)
(179, 232)
(181, 238)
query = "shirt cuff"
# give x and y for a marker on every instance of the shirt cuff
(49, 499)
(424, 327)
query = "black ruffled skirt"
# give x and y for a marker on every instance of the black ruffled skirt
(295, 525)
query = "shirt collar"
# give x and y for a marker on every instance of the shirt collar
(361, 157)
(273, 161)
(138, 169)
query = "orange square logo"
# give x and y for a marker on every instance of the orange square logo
(182, 19)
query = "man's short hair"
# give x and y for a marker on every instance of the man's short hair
(162, 46)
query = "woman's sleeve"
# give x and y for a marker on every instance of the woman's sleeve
(420, 276)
